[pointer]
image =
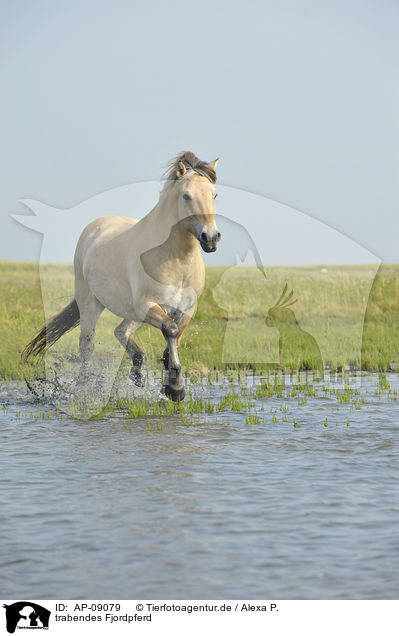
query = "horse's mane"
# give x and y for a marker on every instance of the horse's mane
(192, 163)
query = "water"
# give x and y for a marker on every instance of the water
(92, 509)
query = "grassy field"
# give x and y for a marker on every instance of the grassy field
(352, 314)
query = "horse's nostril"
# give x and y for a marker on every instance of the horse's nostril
(204, 237)
(218, 236)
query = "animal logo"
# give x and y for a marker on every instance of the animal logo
(25, 615)
(298, 349)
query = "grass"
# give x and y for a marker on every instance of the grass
(258, 408)
(228, 330)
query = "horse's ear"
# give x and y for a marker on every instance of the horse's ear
(180, 170)
(213, 164)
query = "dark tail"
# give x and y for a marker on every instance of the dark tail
(67, 319)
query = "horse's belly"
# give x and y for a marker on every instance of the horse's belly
(118, 304)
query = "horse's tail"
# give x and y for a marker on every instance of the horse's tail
(67, 319)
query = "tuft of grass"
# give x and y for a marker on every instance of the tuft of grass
(253, 419)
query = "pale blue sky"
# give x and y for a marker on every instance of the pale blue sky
(299, 98)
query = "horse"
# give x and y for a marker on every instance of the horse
(144, 270)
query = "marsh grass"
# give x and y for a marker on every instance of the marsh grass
(228, 331)
(279, 403)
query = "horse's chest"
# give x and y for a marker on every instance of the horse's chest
(176, 301)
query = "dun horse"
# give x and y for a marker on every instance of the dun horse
(148, 270)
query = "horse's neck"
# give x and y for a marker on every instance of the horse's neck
(174, 237)
(181, 243)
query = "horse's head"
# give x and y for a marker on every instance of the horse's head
(195, 194)
(196, 204)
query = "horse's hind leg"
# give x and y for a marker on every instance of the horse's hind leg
(90, 309)
(124, 334)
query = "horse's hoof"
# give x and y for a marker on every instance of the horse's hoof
(176, 395)
(137, 377)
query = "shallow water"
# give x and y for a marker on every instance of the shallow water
(101, 510)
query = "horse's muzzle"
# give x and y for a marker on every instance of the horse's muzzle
(209, 241)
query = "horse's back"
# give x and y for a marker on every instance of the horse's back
(107, 227)
(100, 232)
(103, 238)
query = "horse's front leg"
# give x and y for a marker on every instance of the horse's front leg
(156, 316)
(183, 322)
(174, 388)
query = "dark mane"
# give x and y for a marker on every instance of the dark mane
(191, 162)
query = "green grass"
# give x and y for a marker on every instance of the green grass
(255, 410)
(228, 330)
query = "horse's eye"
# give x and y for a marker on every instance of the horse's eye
(186, 197)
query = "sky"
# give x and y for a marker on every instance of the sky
(298, 98)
